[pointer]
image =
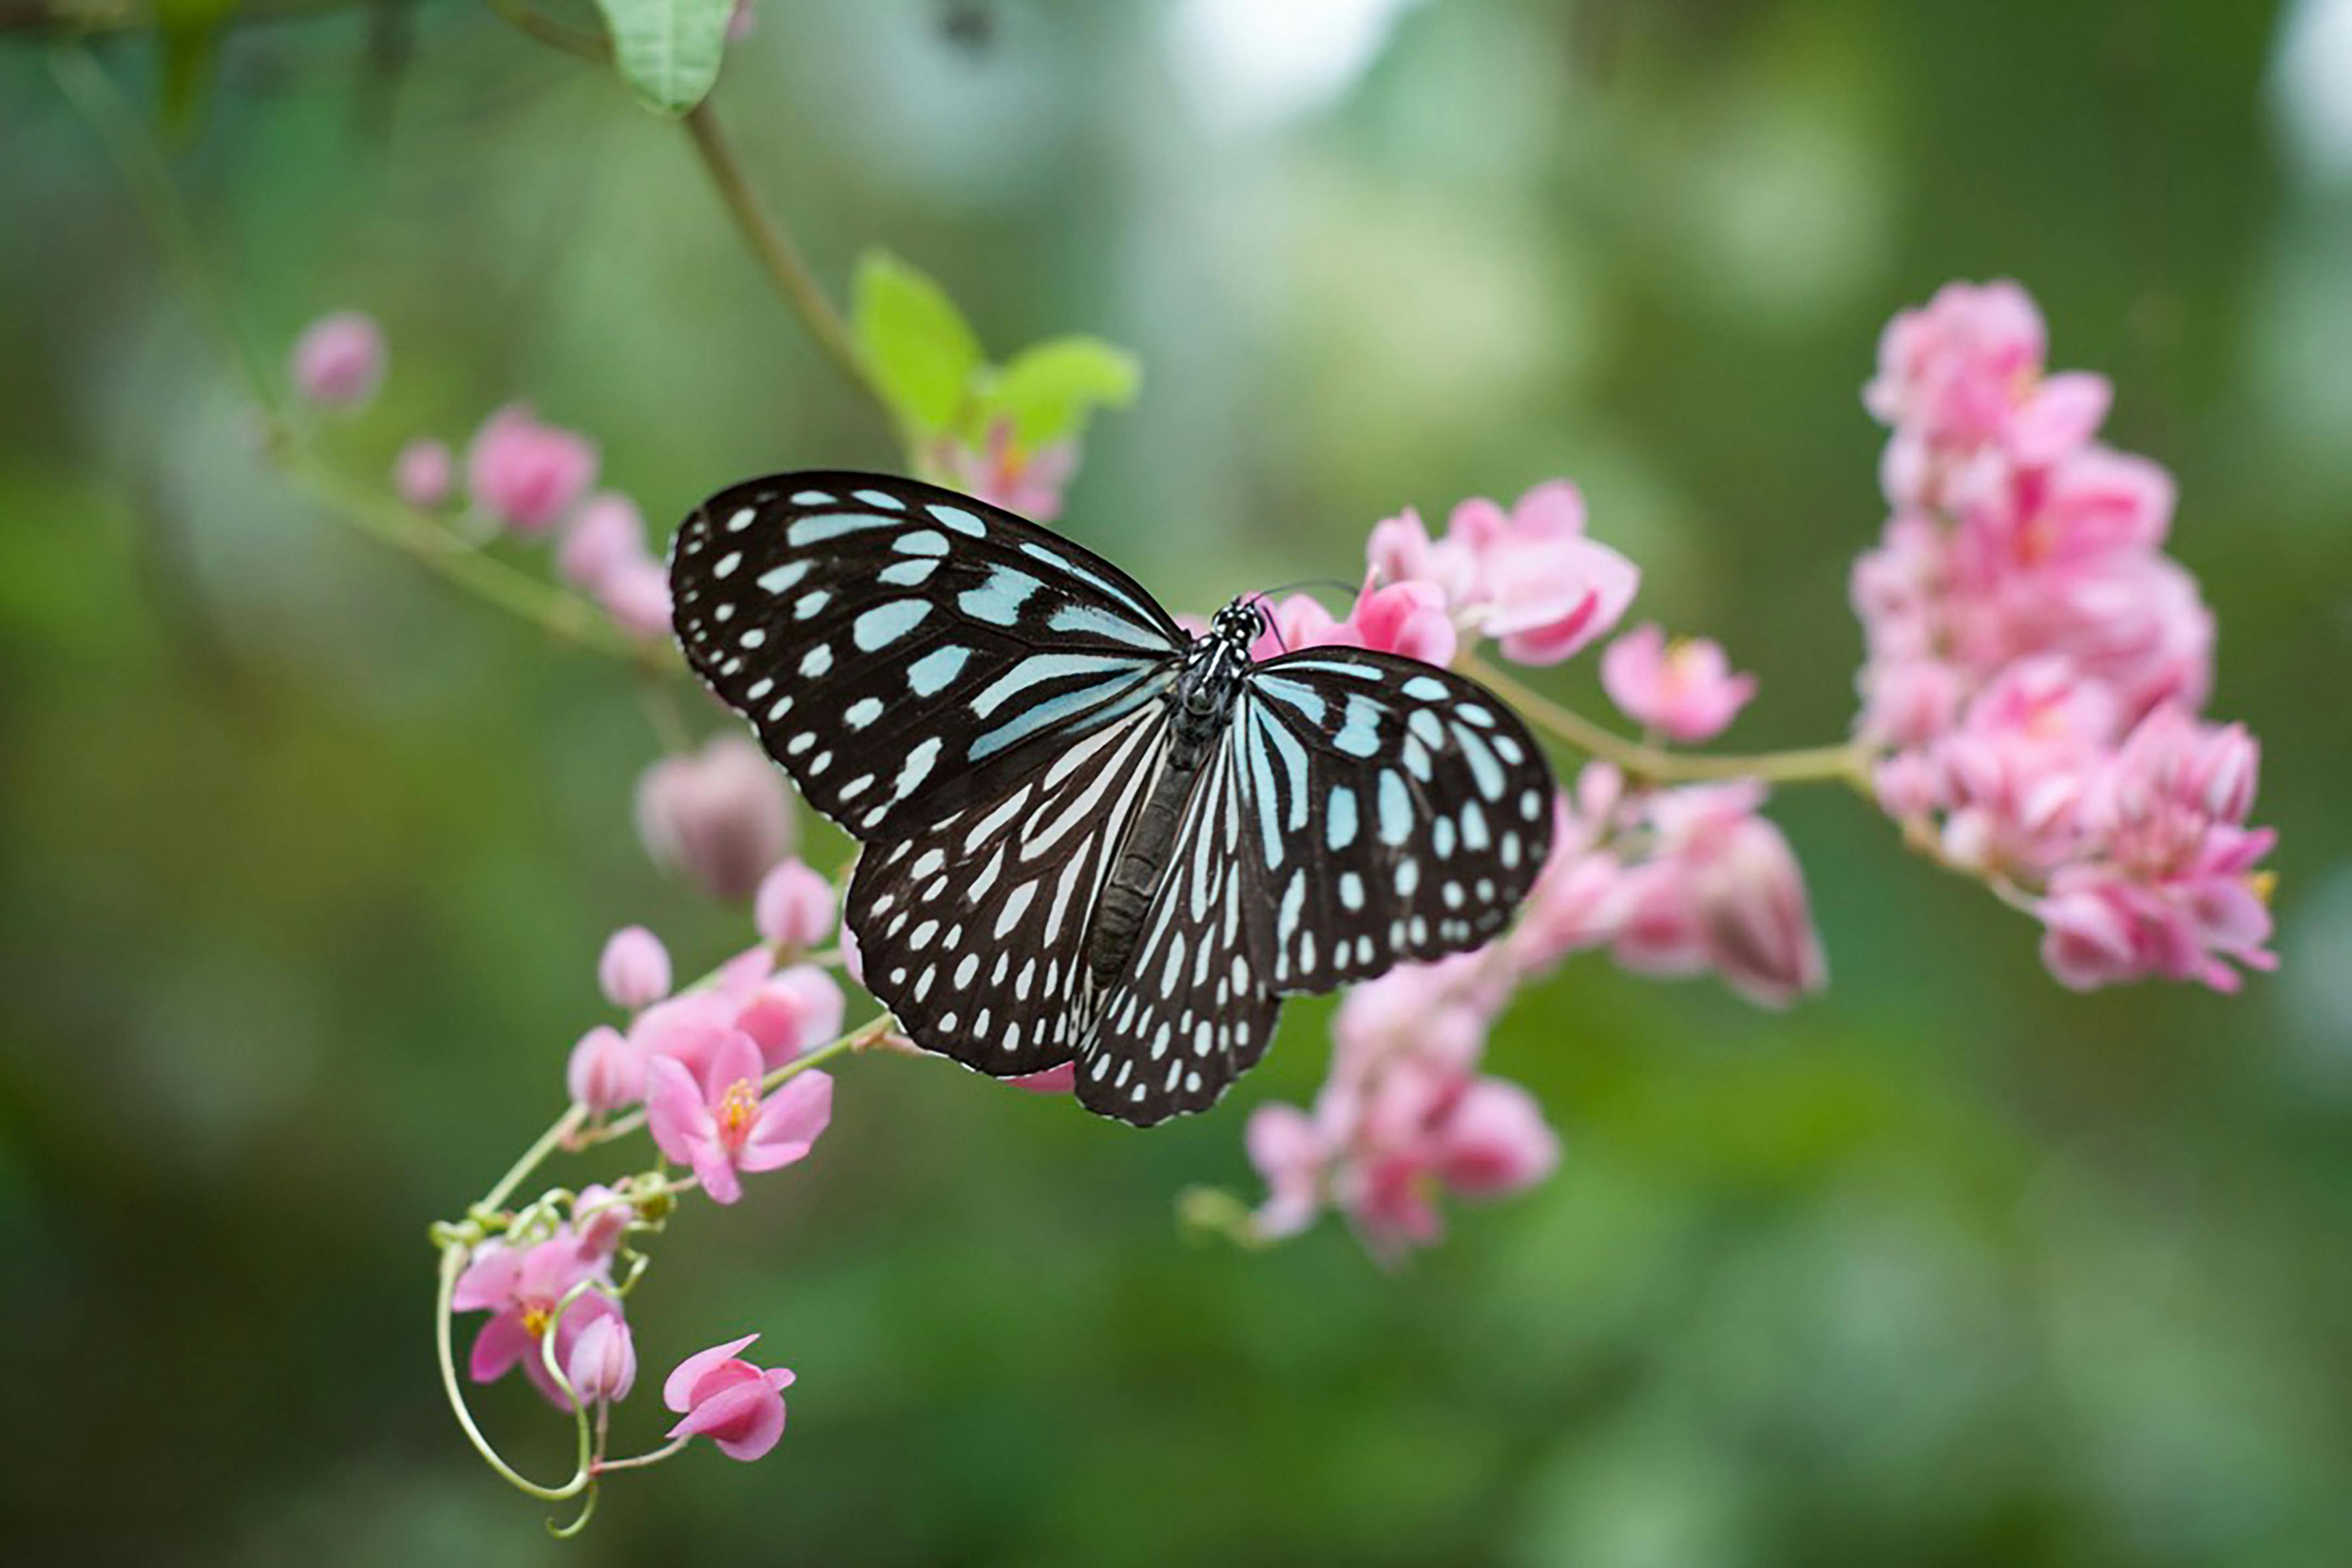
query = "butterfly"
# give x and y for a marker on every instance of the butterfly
(1088, 836)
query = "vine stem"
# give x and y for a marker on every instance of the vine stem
(370, 511)
(778, 254)
(1847, 763)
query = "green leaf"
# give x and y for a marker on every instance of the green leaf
(918, 348)
(668, 50)
(1048, 389)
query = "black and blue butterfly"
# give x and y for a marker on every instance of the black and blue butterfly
(1088, 836)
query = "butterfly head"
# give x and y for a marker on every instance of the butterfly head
(1240, 623)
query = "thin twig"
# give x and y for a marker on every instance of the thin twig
(1847, 764)
(774, 245)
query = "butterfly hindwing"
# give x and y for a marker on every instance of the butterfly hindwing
(1193, 1008)
(971, 930)
(904, 651)
(1402, 812)
(1363, 810)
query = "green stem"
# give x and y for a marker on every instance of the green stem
(1847, 763)
(453, 1263)
(772, 244)
(520, 15)
(639, 1461)
(560, 613)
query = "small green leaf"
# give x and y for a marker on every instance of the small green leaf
(668, 50)
(918, 346)
(1048, 389)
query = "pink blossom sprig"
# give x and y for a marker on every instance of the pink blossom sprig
(2037, 663)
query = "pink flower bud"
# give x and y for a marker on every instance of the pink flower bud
(422, 473)
(603, 1366)
(338, 362)
(1752, 913)
(606, 1071)
(793, 907)
(608, 531)
(719, 815)
(526, 473)
(1063, 1080)
(634, 968)
(636, 592)
(737, 1405)
(1289, 1153)
(600, 1221)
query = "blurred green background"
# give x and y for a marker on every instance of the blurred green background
(307, 860)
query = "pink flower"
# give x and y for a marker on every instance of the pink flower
(602, 1366)
(737, 1405)
(1582, 896)
(338, 362)
(608, 1070)
(1494, 1141)
(1686, 690)
(719, 815)
(790, 1012)
(634, 969)
(1029, 484)
(527, 473)
(523, 1289)
(1288, 1152)
(608, 533)
(1910, 701)
(794, 906)
(2015, 771)
(1408, 619)
(720, 1125)
(1063, 1080)
(785, 1013)
(741, 22)
(1547, 591)
(1957, 370)
(2166, 885)
(422, 473)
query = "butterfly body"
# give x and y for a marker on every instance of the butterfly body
(1088, 837)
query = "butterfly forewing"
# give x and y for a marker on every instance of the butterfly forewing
(904, 651)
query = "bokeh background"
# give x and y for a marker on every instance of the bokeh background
(307, 860)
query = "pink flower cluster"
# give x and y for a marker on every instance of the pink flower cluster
(562, 1286)
(1527, 576)
(522, 475)
(2036, 662)
(1404, 1114)
(696, 1059)
(1672, 882)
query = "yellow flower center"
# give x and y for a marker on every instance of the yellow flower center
(738, 1110)
(536, 1316)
